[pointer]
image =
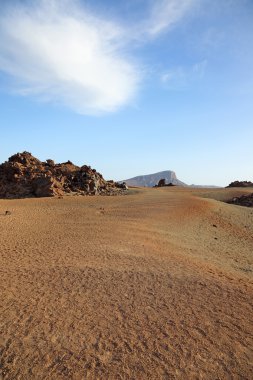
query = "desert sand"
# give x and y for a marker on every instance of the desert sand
(157, 284)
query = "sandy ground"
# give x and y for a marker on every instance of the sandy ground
(157, 284)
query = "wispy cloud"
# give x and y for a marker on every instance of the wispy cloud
(166, 13)
(61, 52)
(66, 55)
(179, 78)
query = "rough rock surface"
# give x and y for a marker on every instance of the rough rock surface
(244, 200)
(241, 184)
(24, 176)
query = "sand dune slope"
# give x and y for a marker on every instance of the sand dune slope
(154, 285)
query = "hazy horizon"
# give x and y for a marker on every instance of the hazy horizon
(130, 89)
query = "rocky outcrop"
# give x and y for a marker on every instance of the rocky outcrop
(162, 183)
(24, 176)
(241, 184)
(150, 180)
(244, 200)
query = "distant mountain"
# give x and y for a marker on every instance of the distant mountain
(151, 180)
(206, 186)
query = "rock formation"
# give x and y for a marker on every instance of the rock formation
(162, 183)
(241, 184)
(24, 176)
(244, 200)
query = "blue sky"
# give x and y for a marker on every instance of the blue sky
(130, 87)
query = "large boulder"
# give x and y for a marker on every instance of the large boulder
(24, 176)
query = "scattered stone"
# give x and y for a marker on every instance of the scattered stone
(214, 225)
(24, 176)
(7, 213)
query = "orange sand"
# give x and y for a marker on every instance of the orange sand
(157, 284)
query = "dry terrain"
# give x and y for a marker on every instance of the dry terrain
(157, 284)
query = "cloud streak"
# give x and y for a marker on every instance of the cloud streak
(165, 14)
(61, 52)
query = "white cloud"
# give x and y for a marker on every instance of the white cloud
(166, 13)
(65, 54)
(61, 52)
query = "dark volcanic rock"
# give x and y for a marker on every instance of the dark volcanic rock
(241, 184)
(24, 176)
(162, 183)
(244, 200)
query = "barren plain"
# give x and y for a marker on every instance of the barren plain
(157, 284)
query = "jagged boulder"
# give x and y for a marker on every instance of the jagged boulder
(24, 176)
